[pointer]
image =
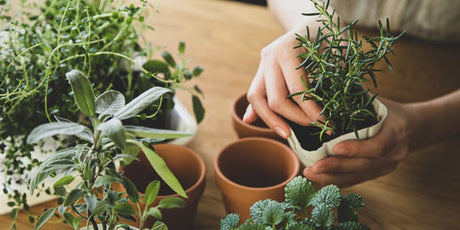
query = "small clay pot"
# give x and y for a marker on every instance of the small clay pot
(255, 129)
(253, 169)
(189, 169)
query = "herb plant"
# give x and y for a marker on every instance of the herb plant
(104, 142)
(337, 64)
(303, 209)
(42, 40)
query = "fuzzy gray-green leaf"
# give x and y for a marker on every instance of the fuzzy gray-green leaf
(114, 130)
(55, 128)
(140, 131)
(109, 102)
(82, 91)
(45, 216)
(141, 102)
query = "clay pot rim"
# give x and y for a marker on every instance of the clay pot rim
(237, 118)
(262, 139)
(200, 163)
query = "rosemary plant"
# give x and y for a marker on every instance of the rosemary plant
(42, 40)
(93, 201)
(337, 64)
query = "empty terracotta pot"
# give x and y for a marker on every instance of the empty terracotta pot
(255, 129)
(189, 169)
(253, 169)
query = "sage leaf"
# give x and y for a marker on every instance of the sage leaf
(105, 180)
(64, 181)
(45, 216)
(155, 213)
(50, 129)
(158, 225)
(73, 197)
(114, 130)
(198, 108)
(131, 189)
(151, 192)
(140, 131)
(109, 102)
(160, 167)
(90, 202)
(141, 102)
(82, 91)
(171, 202)
(124, 209)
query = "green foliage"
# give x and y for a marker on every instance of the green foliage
(93, 161)
(303, 209)
(337, 64)
(41, 41)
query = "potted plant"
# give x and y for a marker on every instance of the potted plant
(252, 169)
(303, 208)
(189, 169)
(337, 65)
(43, 40)
(93, 202)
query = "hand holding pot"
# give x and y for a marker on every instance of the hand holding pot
(407, 127)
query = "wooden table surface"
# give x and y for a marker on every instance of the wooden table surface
(226, 37)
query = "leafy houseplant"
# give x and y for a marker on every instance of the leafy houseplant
(101, 38)
(303, 208)
(104, 142)
(337, 64)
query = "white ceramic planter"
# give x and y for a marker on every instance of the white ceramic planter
(179, 119)
(308, 158)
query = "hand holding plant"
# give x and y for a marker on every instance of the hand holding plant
(105, 142)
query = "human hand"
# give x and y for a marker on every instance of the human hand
(356, 161)
(274, 81)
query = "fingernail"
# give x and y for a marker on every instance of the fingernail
(281, 132)
(338, 150)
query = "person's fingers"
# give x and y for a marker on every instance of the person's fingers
(293, 79)
(346, 179)
(258, 101)
(374, 147)
(250, 115)
(338, 164)
(278, 94)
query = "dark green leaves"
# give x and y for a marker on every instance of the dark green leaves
(156, 66)
(73, 197)
(82, 92)
(198, 108)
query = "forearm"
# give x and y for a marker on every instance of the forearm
(435, 120)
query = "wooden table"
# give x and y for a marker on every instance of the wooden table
(226, 38)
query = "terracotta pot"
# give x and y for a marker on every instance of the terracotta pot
(253, 169)
(255, 129)
(188, 167)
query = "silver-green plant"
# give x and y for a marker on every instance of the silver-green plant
(303, 209)
(92, 163)
(337, 63)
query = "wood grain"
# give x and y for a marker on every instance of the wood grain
(226, 37)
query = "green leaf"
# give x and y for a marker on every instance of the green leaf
(151, 192)
(82, 91)
(158, 225)
(61, 191)
(181, 47)
(64, 181)
(229, 222)
(198, 90)
(131, 150)
(109, 102)
(328, 196)
(168, 58)
(161, 169)
(131, 189)
(156, 66)
(105, 180)
(171, 202)
(155, 213)
(322, 216)
(257, 209)
(114, 130)
(91, 202)
(100, 207)
(197, 71)
(73, 197)
(124, 209)
(273, 213)
(62, 158)
(50, 129)
(351, 225)
(45, 216)
(141, 102)
(198, 108)
(299, 191)
(140, 131)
